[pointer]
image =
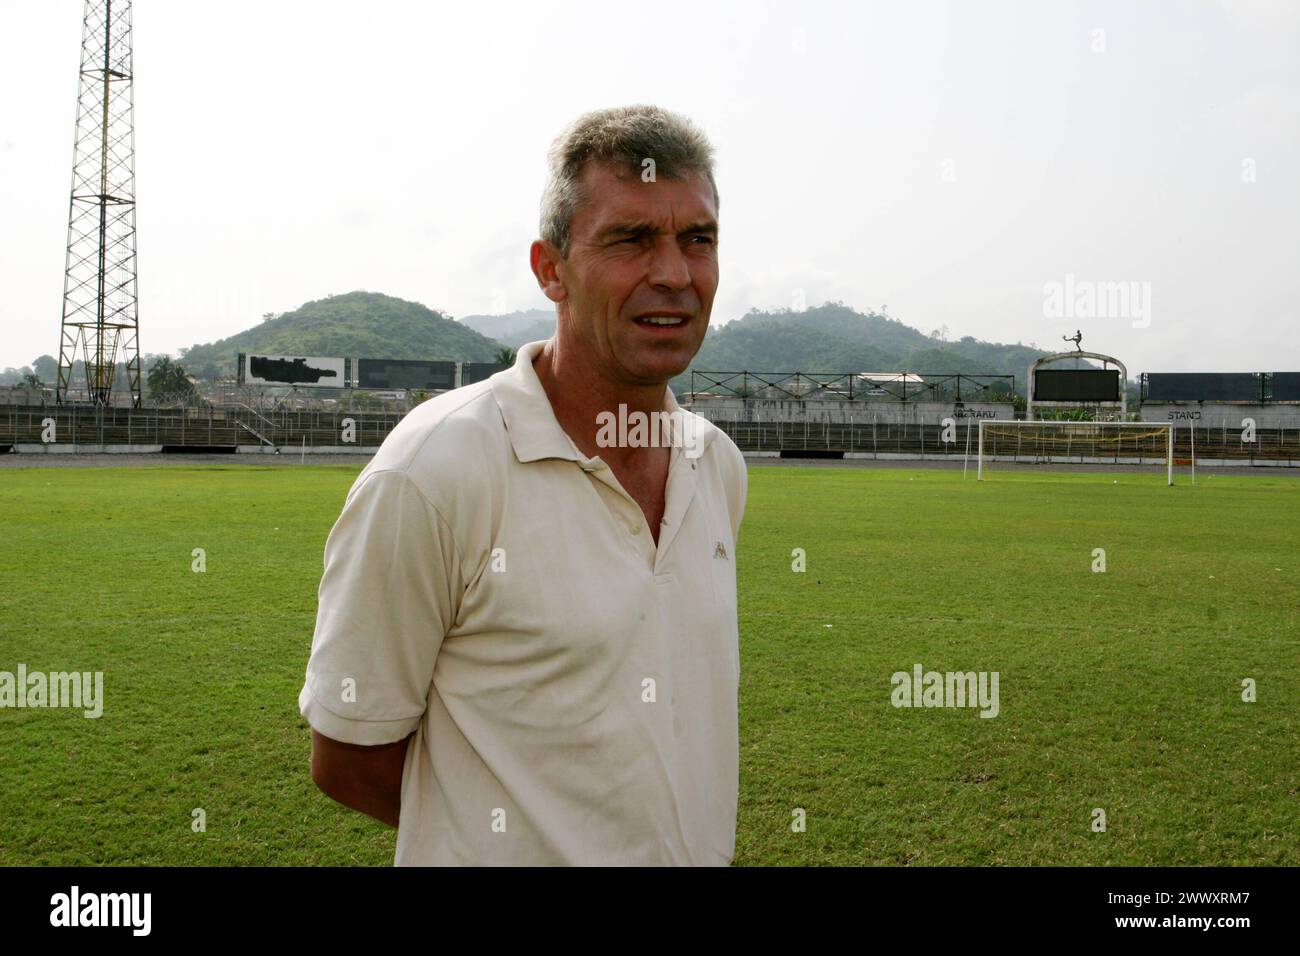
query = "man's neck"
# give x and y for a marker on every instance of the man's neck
(578, 396)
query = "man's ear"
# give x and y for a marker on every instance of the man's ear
(546, 263)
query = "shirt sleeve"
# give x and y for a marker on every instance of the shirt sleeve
(738, 492)
(390, 592)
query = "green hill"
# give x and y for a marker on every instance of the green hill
(835, 338)
(356, 324)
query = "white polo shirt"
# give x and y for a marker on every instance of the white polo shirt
(572, 687)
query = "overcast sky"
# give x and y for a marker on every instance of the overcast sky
(948, 160)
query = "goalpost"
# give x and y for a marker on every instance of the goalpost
(1075, 441)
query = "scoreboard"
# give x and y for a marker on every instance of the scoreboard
(1286, 386)
(405, 373)
(1203, 387)
(1077, 385)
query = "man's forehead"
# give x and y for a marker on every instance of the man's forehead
(615, 198)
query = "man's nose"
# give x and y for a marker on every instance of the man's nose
(668, 266)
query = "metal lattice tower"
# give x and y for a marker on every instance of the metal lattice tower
(99, 287)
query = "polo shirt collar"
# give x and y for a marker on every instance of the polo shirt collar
(534, 431)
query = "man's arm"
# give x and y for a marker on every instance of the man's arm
(367, 779)
(390, 591)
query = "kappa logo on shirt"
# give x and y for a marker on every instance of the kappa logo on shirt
(719, 551)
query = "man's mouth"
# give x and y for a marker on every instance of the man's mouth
(664, 320)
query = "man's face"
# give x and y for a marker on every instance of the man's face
(640, 250)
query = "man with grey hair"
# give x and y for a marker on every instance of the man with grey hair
(526, 646)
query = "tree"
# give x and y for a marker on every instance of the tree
(168, 382)
(504, 357)
(46, 367)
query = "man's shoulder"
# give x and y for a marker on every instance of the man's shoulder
(719, 445)
(452, 435)
(723, 460)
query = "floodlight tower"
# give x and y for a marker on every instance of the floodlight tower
(99, 285)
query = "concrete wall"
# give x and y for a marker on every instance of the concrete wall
(18, 395)
(845, 412)
(1222, 414)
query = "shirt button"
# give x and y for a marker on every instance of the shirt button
(634, 528)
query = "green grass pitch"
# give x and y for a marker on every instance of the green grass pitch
(1119, 690)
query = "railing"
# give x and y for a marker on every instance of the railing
(233, 426)
(213, 427)
(252, 411)
(1272, 446)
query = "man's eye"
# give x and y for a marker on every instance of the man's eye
(707, 239)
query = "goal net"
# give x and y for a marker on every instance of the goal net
(1061, 442)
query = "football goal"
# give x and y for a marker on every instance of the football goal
(1062, 442)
